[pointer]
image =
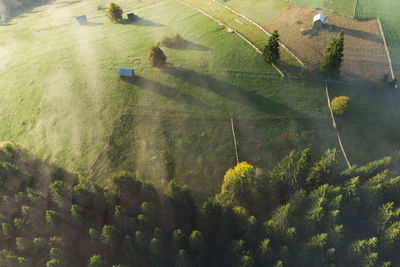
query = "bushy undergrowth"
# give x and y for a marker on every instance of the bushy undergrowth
(175, 41)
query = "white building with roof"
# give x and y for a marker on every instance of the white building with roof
(318, 21)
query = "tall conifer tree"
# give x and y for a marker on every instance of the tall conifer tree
(334, 57)
(271, 50)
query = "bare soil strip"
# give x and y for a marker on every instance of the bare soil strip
(234, 142)
(238, 34)
(334, 126)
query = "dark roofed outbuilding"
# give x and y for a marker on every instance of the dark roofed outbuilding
(131, 17)
(82, 19)
(126, 74)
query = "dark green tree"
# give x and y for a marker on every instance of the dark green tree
(334, 57)
(156, 57)
(271, 50)
(114, 12)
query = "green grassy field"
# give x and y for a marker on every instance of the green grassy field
(61, 93)
(366, 130)
(387, 11)
(259, 10)
(370, 127)
(265, 10)
(344, 7)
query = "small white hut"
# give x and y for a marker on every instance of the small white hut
(318, 21)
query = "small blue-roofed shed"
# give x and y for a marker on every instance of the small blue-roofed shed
(126, 74)
(82, 19)
(131, 16)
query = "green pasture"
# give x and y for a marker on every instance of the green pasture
(61, 95)
(258, 10)
(266, 10)
(344, 7)
(387, 11)
(371, 125)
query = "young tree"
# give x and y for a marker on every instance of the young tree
(156, 57)
(271, 50)
(334, 56)
(96, 261)
(114, 12)
(238, 184)
(340, 104)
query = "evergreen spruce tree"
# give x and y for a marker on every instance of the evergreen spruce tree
(334, 56)
(271, 50)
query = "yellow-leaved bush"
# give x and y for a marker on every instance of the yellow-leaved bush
(238, 183)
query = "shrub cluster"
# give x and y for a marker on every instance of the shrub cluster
(174, 42)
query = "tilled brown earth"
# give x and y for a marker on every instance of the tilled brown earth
(365, 57)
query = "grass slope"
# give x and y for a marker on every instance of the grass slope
(344, 7)
(61, 94)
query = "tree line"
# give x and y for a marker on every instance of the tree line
(303, 212)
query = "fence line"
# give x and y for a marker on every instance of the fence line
(387, 49)
(260, 27)
(335, 127)
(234, 31)
(234, 142)
(355, 10)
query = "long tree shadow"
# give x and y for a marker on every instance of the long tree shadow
(13, 13)
(186, 45)
(355, 33)
(64, 3)
(141, 22)
(92, 24)
(168, 92)
(233, 92)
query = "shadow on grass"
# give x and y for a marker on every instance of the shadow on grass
(168, 92)
(293, 70)
(190, 46)
(355, 33)
(92, 24)
(21, 10)
(233, 92)
(64, 3)
(371, 125)
(141, 22)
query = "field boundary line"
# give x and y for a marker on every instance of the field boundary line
(237, 33)
(355, 10)
(387, 49)
(261, 28)
(93, 165)
(335, 127)
(234, 141)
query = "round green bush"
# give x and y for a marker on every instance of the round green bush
(340, 104)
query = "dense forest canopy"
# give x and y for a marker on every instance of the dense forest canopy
(303, 212)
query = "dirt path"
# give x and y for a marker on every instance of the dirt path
(234, 141)
(335, 127)
(232, 30)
